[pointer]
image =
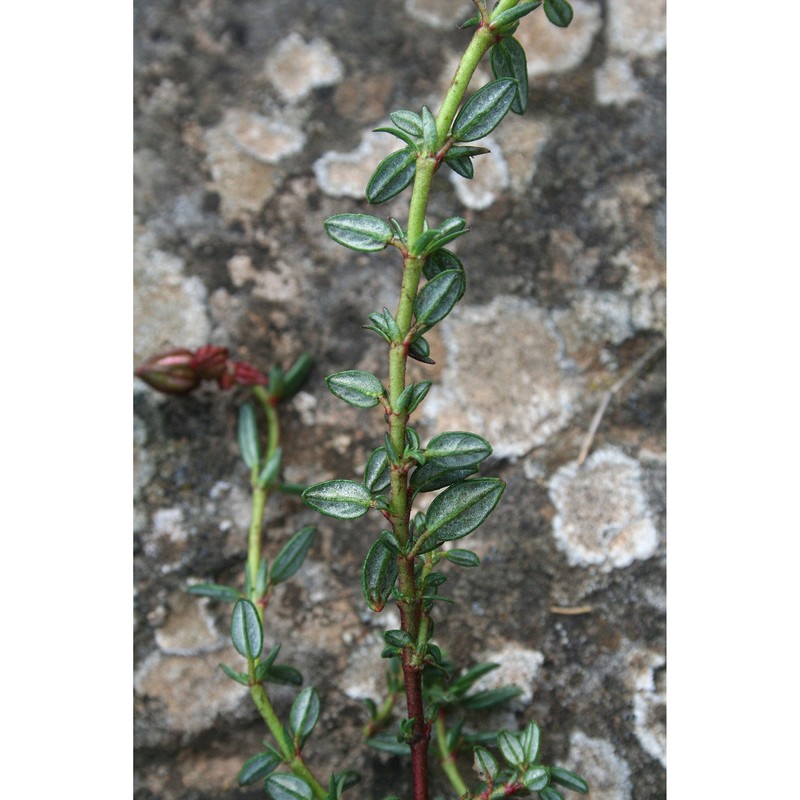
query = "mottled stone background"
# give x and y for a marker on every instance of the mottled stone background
(253, 123)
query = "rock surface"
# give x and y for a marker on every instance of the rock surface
(253, 124)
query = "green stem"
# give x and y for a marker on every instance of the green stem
(447, 759)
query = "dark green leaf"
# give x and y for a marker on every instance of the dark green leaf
(376, 473)
(378, 575)
(482, 113)
(549, 793)
(440, 261)
(361, 232)
(470, 677)
(391, 542)
(283, 675)
(304, 714)
(417, 396)
(215, 591)
(285, 786)
(257, 767)
(292, 555)
(397, 638)
(341, 499)
(511, 15)
(400, 134)
(340, 781)
(433, 476)
(485, 764)
(239, 677)
(472, 22)
(461, 508)
(429, 136)
(247, 433)
(463, 558)
(420, 350)
(450, 229)
(407, 121)
(387, 742)
(271, 468)
(391, 176)
(559, 12)
(458, 449)
(268, 660)
(356, 387)
(508, 61)
(461, 165)
(438, 297)
(295, 376)
(511, 748)
(569, 780)
(246, 633)
(490, 697)
(422, 241)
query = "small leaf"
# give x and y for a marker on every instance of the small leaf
(511, 748)
(261, 578)
(361, 232)
(246, 633)
(461, 508)
(450, 229)
(438, 297)
(387, 742)
(569, 780)
(376, 473)
(215, 591)
(356, 387)
(531, 738)
(417, 396)
(471, 676)
(490, 698)
(461, 165)
(508, 61)
(434, 475)
(257, 767)
(485, 764)
(511, 15)
(340, 781)
(408, 121)
(482, 113)
(440, 261)
(458, 449)
(391, 176)
(292, 555)
(559, 12)
(397, 638)
(283, 675)
(429, 135)
(535, 778)
(391, 542)
(304, 714)
(285, 786)
(420, 350)
(247, 433)
(295, 376)
(341, 499)
(378, 575)
(400, 134)
(239, 677)
(271, 468)
(463, 558)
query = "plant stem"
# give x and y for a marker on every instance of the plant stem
(447, 759)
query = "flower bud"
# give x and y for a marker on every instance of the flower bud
(170, 372)
(210, 361)
(245, 374)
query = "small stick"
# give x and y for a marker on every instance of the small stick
(635, 369)
(571, 611)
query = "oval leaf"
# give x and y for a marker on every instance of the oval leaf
(407, 121)
(439, 261)
(292, 555)
(461, 508)
(304, 714)
(356, 387)
(482, 113)
(391, 176)
(433, 476)
(548, 793)
(531, 738)
(559, 12)
(458, 449)
(485, 764)
(341, 499)
(376, 474)
(463, 558)
(285, 786)
(508, 61)
(378, 575)
(438, 297)
(215, 591)
(535, 778)
(257, 767)
(247, 433)
(361, 232)
(569, 780)
(511, 748)
(246, 633)
(510, 16)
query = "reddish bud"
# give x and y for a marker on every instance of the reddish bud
(246, 375)
(210, 361)
(170, 372)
